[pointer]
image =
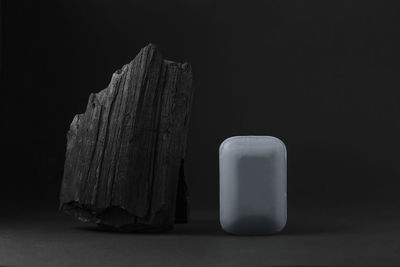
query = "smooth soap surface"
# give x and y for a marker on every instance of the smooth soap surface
(252, 185)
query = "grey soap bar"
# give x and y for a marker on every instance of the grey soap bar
(252, 185)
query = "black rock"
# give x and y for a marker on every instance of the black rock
(124, 160)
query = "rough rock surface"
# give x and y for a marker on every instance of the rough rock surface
(125, 155)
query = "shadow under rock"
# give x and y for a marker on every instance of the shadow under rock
(203, 228)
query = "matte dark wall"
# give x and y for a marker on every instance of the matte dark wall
(323, 76)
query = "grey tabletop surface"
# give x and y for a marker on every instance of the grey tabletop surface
(311, 238)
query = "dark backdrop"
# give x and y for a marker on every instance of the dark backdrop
(323, 76)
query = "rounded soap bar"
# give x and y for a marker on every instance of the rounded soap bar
(252, 185)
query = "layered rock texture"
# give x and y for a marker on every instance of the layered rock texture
(124, 166)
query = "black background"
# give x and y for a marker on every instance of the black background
(323, 76)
